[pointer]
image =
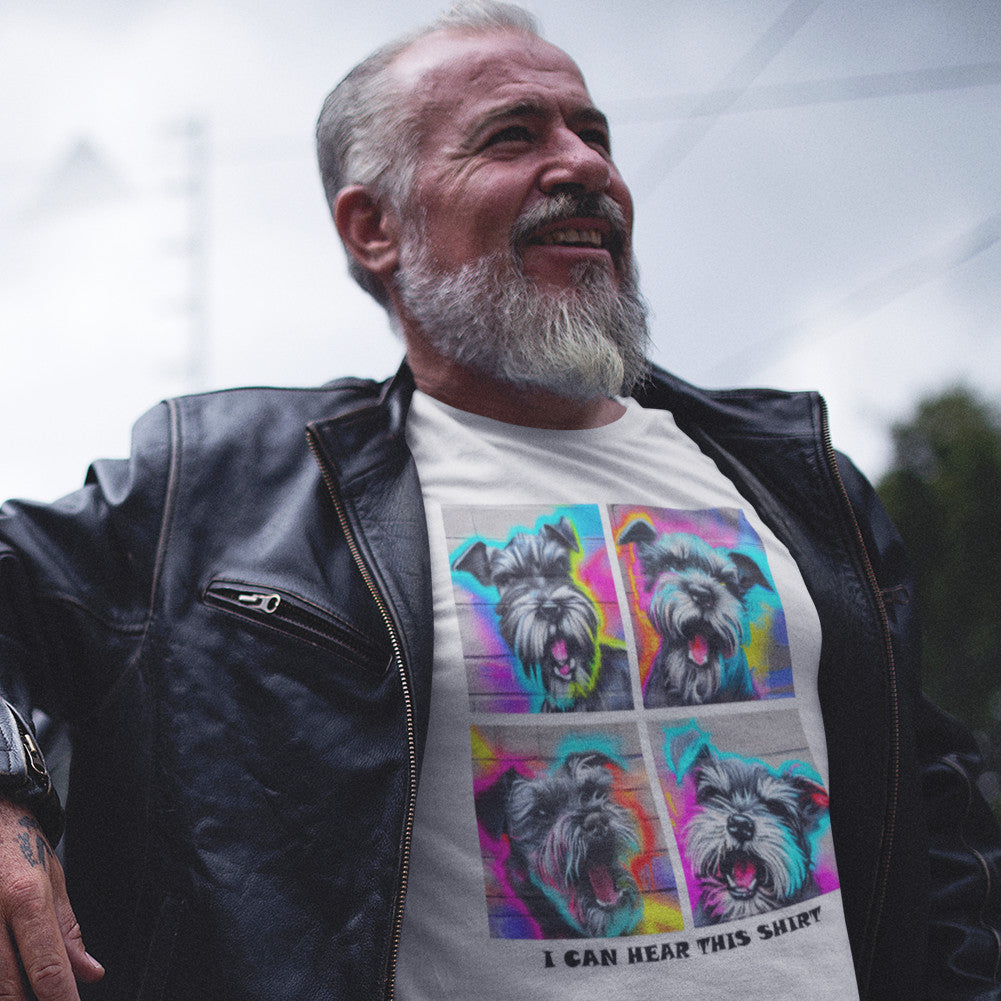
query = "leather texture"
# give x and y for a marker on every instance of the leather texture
(242, 778)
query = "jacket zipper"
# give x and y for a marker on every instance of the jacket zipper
(384, 611)
(889, 830)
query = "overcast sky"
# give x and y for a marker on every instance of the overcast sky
(817, 187)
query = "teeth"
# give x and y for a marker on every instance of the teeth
(587, 237)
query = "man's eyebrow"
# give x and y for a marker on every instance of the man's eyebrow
(591, 116)
(530, 109)
(520, 109)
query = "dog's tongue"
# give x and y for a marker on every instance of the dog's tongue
(698, 649)
(603, 885)
(559, 651)
(744, 873)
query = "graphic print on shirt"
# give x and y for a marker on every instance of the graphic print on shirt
(707, 619)
(570, 843)
(541, 629)
(753, 828)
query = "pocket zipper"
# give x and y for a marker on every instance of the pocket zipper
(297, 616)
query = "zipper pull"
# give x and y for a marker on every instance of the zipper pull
(34, 755)
(899, 595)
(265, 602)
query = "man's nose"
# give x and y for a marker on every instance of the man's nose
(575, 164)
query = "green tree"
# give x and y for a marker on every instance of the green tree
(943, 490)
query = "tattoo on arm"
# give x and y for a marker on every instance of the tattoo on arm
(35, 855)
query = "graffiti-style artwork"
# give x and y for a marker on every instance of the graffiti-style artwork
(707, 619)
(540, 625)
(570, 843)
(753, 828)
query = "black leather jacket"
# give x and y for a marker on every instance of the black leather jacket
(237, 625)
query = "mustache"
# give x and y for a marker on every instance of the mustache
(566, 205)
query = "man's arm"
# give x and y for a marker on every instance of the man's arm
(76, 581)
(965, 859)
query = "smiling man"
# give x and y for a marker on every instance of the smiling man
(511, 255)
(533, 672)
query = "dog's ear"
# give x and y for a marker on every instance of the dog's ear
(587, 759)
(563, 533)
(491, 804)
(811, 796)
(476, 561)
(748, 574)
(639, 532)
(688, 749)
(703, 774)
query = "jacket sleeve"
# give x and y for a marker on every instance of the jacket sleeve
(964, 841)
(76, 581)
(965, 936)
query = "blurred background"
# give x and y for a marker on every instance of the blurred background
(818, 199)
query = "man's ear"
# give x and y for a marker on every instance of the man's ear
(369, 232)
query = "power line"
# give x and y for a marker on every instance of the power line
(874, 295)
(808, 92)
(714, 103)
(691, 132)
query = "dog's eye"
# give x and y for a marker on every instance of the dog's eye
(708, 792)
(595, 788)
(778, 809)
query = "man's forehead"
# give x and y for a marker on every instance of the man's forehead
(488, 68)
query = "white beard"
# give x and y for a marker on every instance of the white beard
(584, 343)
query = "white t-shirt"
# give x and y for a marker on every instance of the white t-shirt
(624, 789)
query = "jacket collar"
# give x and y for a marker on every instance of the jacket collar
(372, 477)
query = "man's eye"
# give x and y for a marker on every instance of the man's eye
(513, 133)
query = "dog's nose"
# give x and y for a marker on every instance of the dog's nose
(595, 824)
(740, 827)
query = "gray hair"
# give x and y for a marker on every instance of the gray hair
(367, 130)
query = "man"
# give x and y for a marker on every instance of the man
(673, 745)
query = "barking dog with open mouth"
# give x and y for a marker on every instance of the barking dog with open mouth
(548, 621)
(751, 841)
(697, 606)
(571, 844)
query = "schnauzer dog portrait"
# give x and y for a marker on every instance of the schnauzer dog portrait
(751, 841)
(549, 622)
(697, 606)
(570, 847)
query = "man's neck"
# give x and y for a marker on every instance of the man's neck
(478, 393)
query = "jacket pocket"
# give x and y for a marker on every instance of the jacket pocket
(296, 616)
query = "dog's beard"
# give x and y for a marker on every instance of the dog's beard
(583, 343)
(698, 634)
(700, 627)
(579, 867)
(554, 634)
(596, 889)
